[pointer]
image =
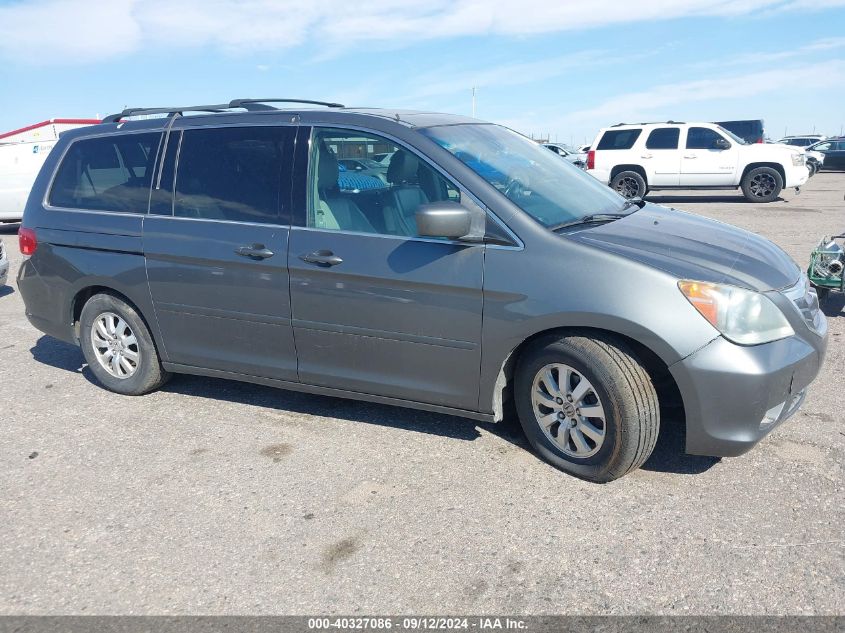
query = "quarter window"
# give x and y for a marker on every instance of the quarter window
(702, 138)
(663, 138)
(619, 139)
(233, 174)
(351, 191)
(111, 173)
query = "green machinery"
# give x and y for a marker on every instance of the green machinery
(827, 263)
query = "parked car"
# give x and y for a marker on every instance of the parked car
(833, 151)
(489, 271)
(801, 141)
(4, 265)
(583, 149)
(815, 160)
(22, 153)
(636, 159)
(577, 159)
(750, 131)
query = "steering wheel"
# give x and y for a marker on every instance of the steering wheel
(515, 189)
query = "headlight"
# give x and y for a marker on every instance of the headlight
(742, 316)
(798, 159)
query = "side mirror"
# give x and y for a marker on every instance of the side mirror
(450, 220)
(721, 143)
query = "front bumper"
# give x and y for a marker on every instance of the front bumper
(735, 395)
(796, 175)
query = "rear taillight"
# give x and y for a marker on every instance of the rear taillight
(27, 241)
(591, 159)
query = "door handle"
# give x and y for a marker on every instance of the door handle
(647, 156)
(322, 258)
(689, 155)
(255, 251)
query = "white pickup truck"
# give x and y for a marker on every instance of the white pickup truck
(637, 158)
(22, 152)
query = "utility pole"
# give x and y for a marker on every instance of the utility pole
(473, 101)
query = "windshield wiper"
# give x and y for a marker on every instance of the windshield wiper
(636, 201)
(594, 218)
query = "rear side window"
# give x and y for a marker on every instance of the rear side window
(702, 138)
(619, 139)
(234, 174)
(663, 138)
(112, 173)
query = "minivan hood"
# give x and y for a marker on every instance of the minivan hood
(692, 247)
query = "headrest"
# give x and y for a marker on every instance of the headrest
(327, 170)
(403, 168)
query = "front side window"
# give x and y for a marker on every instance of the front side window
(550, 190)
(702, 138)
(351, 191)
(111, 173)
(619, 139)
(663, 138)
(234, 174)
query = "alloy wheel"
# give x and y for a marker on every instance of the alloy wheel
(115, 345)
(628, 187)
(762, 185)
(568, 410)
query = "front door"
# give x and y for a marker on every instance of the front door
(376, 308)
(216, 245)
(704, 163)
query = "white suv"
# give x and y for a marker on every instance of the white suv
(634, 159)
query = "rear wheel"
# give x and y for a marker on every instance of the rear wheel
(118, 347)
(629, 184)
(587, 406)
(762, 184)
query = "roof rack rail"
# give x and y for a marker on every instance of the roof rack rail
(114, 118)
(250, 104)
(670, 122)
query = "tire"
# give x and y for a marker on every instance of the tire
(762, 184)
(616, 382)
(812, 168)
(629, 184)
(129, 338)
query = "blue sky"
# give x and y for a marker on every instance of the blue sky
(558, 68)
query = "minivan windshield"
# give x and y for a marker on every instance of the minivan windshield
(551, 190)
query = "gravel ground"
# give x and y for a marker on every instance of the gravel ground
(216, 497)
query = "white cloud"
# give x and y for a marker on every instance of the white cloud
(52, 31)
(700, 99)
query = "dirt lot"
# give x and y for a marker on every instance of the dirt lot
(218, 497)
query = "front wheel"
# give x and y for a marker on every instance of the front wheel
(629, 184)
(762, 184)
(587, 406)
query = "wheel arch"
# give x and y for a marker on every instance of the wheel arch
(84, 294)
(618, 169)
(776, 166)
(668, 392)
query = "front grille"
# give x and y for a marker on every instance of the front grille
(806, 301)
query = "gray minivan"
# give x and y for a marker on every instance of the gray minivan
(481, 271)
